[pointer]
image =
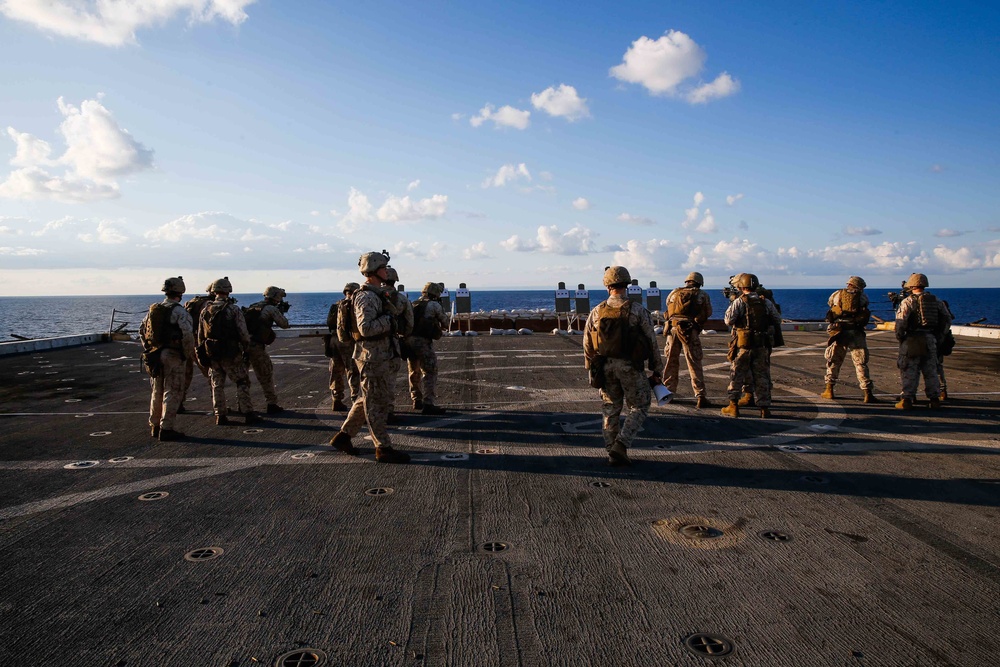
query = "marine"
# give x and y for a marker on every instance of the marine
(344, 372)
(167, 336)
(848, 316)
(921, 323)
(223, 339)
(404, 327)
(193, 306)
(618, 342)
(688, 308)
(261, 318)
(373, 325)
(753, 319)
(429, 322)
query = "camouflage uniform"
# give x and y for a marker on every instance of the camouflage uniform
(343, 371)
(908, 333)
(848, 337)
(404, 327)
(751, 364)
(374, 354)
(625, 385)
(168, 387)
(194, 307)
(232, 366)
(260, 360)
(423, 364)
(684, 332)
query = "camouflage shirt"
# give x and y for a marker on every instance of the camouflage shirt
(375, 324)
(638, 316)
(231, 311)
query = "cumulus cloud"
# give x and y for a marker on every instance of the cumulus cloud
(706, 225)
(505, 116)
(477, 251)
(413, 185)
(98, 152)
(732, 199)
(507, 174)
(668, 66)
(581, 204)
(115, 23)
(107, 233)
(577, 241)
(360, 210)
(562, 102)
(21, 251)
(947, 233)
(635, 219)
(861, 231)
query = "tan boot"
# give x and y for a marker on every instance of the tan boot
(731, 410)
(870, 396)
(944, 395)
(342, 442)
(618, 454)
(746, 401)
(703, 402)
(765, 413)
(390, 455)
(828, 392)
(904, 404)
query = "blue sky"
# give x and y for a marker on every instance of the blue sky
(506, 146)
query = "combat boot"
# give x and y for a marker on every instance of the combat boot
(703, 402)
(944, 395)
(252, 418)
(342, 442)
(418, 404)
(168, 434)
(765, 413)
(390, 455)
(274, 408)
(746, 401)
(934, 404)
(870, 396)
(154, 431)
(340, 406)
(904, 404)
(431, 409)
(732, 410)
(221, 420)
(828, 392)
(618, 454)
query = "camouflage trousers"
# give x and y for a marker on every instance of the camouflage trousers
(167, 390)
(751, 367)
(344, 373)
(856, 343)
(940, 372)
(260, 360)
(236, 369)
(690, 342)
(911, 368)
(373, 406)
(624, 387)
(423, 367)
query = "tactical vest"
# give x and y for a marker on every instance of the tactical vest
(219, 332)
(260, 331)
(685, 304)
(849, 308)
(758, 320)
(613, 334)
(423, 326)
(160, 332)
(926, 313)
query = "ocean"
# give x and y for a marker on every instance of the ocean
(42, 317)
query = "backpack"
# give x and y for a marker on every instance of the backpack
(927, 311)
(423, 326)
(616, 338)
(685, 303)
(218, 333)
(260, 332)
(157, 332)
(346, 325)
(195, 305)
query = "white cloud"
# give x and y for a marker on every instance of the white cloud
(507, 174)
(457, 116)
(359, 211)
(98, 152)
(114, 23)
(947, 233)
(477, 251)
(107, 233)
(581, 204)
(635, 219)
(206, 226)
(577, 241)
(707, 223)
(413, 185)
(732, 199)
(667, 66)
(505, 116)
(937, 168)
(21, 251)
(562, 102)
(314, 214)
(54, 225)
(861, 231)
(403, 209)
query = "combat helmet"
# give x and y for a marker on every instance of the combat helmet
(431, 290)
(351, 288)
(390, 275)
(370, 262)
(857, 281)
(695, 277)
(745, 280)
(174, 285)
(221, 286)
(917, 280)
(273, 292)
(616, 275)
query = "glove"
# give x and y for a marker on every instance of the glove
(284, 306)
